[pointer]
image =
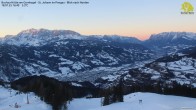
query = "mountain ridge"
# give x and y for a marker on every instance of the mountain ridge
(152, 36)
(37, 37)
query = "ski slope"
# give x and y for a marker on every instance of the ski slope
(150, 101)
(8, 98)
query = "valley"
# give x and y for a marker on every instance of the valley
(65, 65)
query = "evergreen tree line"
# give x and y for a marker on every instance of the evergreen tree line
(113, 94)
(173, 88)
(52, 91)
(59, 93)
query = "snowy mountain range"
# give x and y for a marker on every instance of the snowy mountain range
(40, 37)
(63, 54)
(171, 42)
(69, 56)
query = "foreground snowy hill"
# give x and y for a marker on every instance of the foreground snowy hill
(150, 101)
(9, 97)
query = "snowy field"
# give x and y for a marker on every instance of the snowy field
(150, 101)
(7, 101)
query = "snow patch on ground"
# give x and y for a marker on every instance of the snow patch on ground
(8, 100)
(75, 84)
(110, 77)
(185, 65)
(79, 66)
(65, 61)
(97, 62)
(150, 71)
(66, 71)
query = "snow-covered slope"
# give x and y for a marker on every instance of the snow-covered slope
(9, 97)
(179, 67)
(150, 101)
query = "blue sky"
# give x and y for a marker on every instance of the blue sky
(139, 18)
